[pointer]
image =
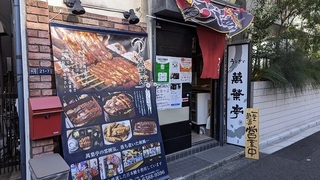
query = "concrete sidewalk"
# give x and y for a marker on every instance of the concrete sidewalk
(197, 166)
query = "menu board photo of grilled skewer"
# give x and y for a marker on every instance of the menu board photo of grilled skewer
(104, 81)
(87, 61)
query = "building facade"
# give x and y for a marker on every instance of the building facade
(198, 116)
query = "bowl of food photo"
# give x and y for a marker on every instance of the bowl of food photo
(118, 106)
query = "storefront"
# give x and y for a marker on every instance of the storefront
(186, 30)
(112, 75)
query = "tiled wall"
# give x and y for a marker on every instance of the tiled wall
(283, 112)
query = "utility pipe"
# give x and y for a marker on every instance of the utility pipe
(222, 101)
(18, 57)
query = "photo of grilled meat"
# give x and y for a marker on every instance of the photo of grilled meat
(117, 72)
(119, 106)
(144, 127)
(82, 47)
(89, 64)
(83, 111)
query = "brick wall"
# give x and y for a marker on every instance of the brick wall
(40, 50)
(40, 147)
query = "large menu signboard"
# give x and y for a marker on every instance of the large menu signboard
(110, 126)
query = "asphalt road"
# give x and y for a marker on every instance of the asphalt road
(299, 161)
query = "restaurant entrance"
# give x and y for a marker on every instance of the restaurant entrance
(193, 123)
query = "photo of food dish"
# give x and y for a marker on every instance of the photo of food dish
(132, 159)
(82, 111)
(152, 151)
(85, 170)
(106, 66)
(144, 126)
(84, 139)
(116, 132)
(118, 106)
(110, 165)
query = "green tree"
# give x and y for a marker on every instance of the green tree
(286, 42)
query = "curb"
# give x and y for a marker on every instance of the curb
(280, 137)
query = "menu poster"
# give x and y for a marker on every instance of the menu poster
(186, 70)
(176, 95)
(110, 127)
(175, 70)
(163, 96)
(170, 73)
(162, 69)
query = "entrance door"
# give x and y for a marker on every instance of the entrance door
(200, 99)
(190, 125)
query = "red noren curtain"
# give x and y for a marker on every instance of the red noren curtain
(212, 47)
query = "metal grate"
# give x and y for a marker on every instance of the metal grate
(9, 134)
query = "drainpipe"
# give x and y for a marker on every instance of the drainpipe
(222, 100)
(18, 57)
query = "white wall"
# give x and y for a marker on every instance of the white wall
(110, 4)
(283, 113)
(173, 115)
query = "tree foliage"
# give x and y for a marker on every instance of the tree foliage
(286, 42)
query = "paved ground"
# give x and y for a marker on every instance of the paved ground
(196, 165)
(298, 161)
(294, 158)
(14, 175)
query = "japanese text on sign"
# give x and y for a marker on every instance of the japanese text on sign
(252, 133)
(237, 92)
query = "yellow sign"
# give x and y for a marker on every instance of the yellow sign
(252, 133)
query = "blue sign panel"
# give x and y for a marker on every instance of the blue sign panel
(40, 71)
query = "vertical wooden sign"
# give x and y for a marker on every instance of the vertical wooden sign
(252, 133)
